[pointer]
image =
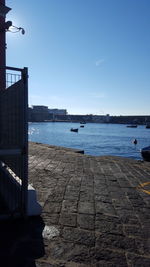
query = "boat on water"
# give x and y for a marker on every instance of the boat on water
(132, 126)
(82, 122)
(145, 152)
(147, 126)
(82, 126)
(74, 130)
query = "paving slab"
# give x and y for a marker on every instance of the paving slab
(99, 207)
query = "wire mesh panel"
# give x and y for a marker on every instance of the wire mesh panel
(14, 144)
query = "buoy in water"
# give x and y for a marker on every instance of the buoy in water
(135, 141)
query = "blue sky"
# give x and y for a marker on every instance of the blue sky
(86, 56)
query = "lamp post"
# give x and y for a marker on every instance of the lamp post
(3, 11)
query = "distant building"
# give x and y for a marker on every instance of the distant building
(56, 111)
(40, 109)
(100, 118)
(131, 119)
(38, 113)
(107, 118)
(43, 113)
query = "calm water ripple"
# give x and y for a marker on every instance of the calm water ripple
(95, 139)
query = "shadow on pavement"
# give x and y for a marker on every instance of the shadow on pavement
(21, 242)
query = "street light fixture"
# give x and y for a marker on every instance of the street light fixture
(13, 29)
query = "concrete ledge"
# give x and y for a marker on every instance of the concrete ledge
(34, 207)
(66, 149)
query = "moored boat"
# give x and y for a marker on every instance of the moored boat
(147, 126)
(132, 126)
(145, 152)
(74, 130)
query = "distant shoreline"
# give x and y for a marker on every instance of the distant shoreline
(86, 122)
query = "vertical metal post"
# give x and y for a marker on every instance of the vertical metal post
(3, 11)
(25, 144)
(2, 49)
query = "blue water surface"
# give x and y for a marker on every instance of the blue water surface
(95, 138)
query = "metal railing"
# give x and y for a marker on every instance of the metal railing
(14, 141)
(12, 78)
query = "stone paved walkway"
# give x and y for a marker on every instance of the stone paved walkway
(96, 210)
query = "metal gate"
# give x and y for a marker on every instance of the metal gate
(14, 142)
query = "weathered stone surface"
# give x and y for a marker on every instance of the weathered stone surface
(86, 208)
(79, 254)
(60, 249)
(137, 260)
(68, 219)
(114, 241)
(69, 206)
(105, 207)
(47, 264)
(79, 236)
(111, 257)
(143, 246)
(96, 203)
(52, 207)
(108, 226)
(136, 231)
(86, 221)
(50, 219)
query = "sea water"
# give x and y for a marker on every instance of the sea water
(95, 138)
